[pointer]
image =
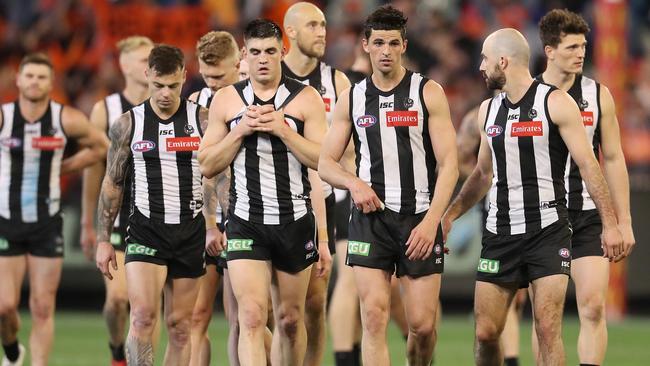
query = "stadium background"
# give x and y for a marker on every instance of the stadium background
(444, 43)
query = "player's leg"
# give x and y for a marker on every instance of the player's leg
(145, 282)
(315, 306)
(397, 313)
(250, 281)
(202, 315)
(230, 303)
(44, 278)
(549, 293)
(180, 300)
(591, 277)
(421, 316)
(510, 334)
(491, 303)
(12, 272)
(373, 286)
(344, 310)
(116, 309)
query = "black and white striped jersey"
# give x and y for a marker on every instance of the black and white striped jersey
(323, 79)
(204, 99)
(116, 105)
(167, 180)
(528, 162)
(30, 164)
(393, 147)
(269, 184)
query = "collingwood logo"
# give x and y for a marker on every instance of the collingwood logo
(189, 129)
(583, 104)
(532, 114)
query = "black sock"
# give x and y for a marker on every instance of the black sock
(511, 361)
(117, 352)
(11, 351)
(344, 358)
(356, 349)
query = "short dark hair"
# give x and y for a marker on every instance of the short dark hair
(166, 59)
(38, 58)
(557, 23)
(385, 18)
(262, 28)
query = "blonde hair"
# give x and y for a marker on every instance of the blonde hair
(216, 46)
(129, 44)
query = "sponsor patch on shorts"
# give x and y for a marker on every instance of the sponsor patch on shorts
(238, 245)
(140, 249)
(488, 265)
(4, 244)
(358, 248)
(116, 239)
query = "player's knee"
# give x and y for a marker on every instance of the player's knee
(487, 332)
(252, 315)
(315, 305)
(375, 319)
(179, 329)
(593, 309)
(7, 306)
(41, 308)
(143, 318)
(201, 316)
(116, 305)
(423, 329)
(547, 327)
(289, 321)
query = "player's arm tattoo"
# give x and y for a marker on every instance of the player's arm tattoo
(117, 167)
(138, 353)
(210, 200)
(203, 118)
(223, 188)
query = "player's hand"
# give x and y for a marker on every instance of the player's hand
(420, 242)
(364, 198)
(628, 241)
(324, 264)
(249, 120)
(271, 121)
(88, 241)
(105, 259)
(213, 241)
(612, 242)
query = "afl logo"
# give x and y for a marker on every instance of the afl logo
(11, 142)
(366, 121)
(143, 146)
(494, 131)
(437, 249)
(564, 253)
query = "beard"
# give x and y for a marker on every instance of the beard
(497, 80)
(310, 50)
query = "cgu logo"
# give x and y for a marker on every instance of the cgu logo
(494, 131)
(488, 265)
(366, 121)
(143, 146)
(587, 118)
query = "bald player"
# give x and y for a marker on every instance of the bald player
(527, 131)
(305, 27)
(133, 53)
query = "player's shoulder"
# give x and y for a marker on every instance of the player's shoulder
(70, 113)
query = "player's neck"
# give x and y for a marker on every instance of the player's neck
(518, 83)
(388, 81)
(299, 63)
(135, 93)
(556, 77)
(32, 110)
(267, 89)
(167, 112)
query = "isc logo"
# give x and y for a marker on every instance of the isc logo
(513, 116)
(166, 132)
(143, 146)
(386, 105)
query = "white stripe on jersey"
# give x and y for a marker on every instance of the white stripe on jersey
(5, 157)
(542, 157)
(359, 109)
(203, 98)
(491, 221)
(422, 201)
(55, 168)
(515, 188)
(140, 182)
(113, 108)
(391, 162)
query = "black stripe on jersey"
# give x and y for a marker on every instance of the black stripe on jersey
(300, 127)
(281, 169)
(498, 145)
(108, 123)
(253, 184)
(240, 86)
(404, 149)
(294, 87)
(153, 165)
(334, 84)
(17, 159)
(596, 140)
(528, 166)
(557, 152)
(184, 165)
(45, 166)
(198, 118)
(426, 141)
(373, 135)
(575, 179)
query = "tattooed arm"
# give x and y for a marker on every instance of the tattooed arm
(110, 198)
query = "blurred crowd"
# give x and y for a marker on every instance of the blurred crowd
(444, 36)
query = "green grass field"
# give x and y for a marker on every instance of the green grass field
(81, 340)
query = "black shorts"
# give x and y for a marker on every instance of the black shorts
(523, 258)
(180, 247)
(343, 217)
(587, 227)
(118, 238)
(377, 240)
(330, 211)
(40, 239)
(290, 247)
